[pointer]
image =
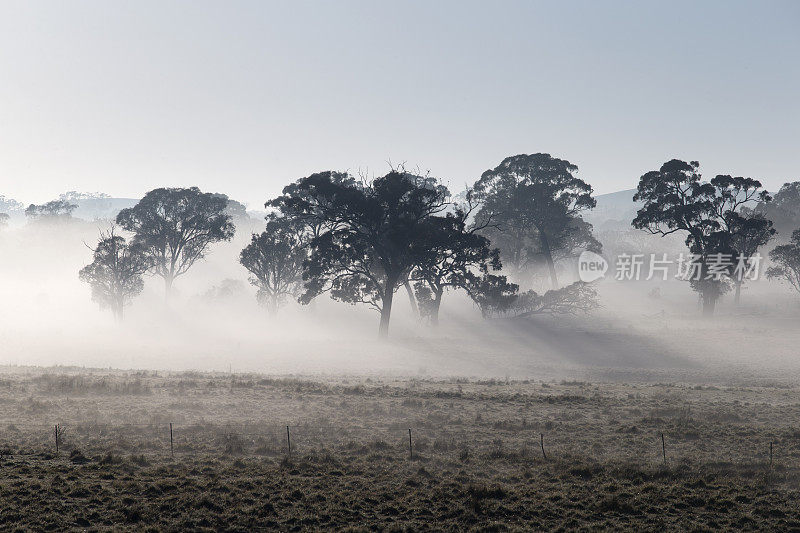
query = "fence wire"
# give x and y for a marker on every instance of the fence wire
(259, 439)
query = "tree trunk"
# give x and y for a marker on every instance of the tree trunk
(411, 299)
(435, 304)
(548, 257)
(168, 287)
(386, 311)
(116, 307)
(737, 295)
(709, 303)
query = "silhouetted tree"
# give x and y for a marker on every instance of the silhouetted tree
(496, 296)
(530, 206)
(312, 218)
(574, 299)
(493, 294)
(784, 209)
(275, 260)
(576, 236)
(115, 274)
(675, 199)
(452, 253)
(786, 259)
(367, 234)
(51, 210)
(175, 227)
(750, 231)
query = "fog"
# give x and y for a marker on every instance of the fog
(214, 323)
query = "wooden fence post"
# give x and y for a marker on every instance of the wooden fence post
(410, 447)
(663, 448)
(541, 443)
(288, 441)
(56, 435)
(171, 445)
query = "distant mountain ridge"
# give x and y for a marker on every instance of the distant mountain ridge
(613, 208)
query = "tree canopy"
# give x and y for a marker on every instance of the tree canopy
(274, 259)
(115, 274)
(530, 208)
(786, 259)
(455, 256)
(51, 210)
(174, 227)
(367, 234)
(712, 214)
(492, 293)
(784, 209)
(750, 230)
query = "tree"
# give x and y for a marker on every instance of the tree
(453, 253)
(115, 274)
(367, 237)
(54, 209)
(711, 214)
(4, 218)
(10, 205)
(275, 260)
(493, 294)
(750, 231)
(787, 261)
(784, 209)
(531, 208)
(236, 210)
(75, 196)
(577, 235)
(574, 299)
(228, 290)
(312, 218)
(175, 227)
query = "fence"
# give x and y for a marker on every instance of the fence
(170, 439)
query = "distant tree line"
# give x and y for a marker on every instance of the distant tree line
(362, 240)
(51, 210)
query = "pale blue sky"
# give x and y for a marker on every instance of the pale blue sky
(243, 97)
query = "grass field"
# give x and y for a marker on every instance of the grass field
(477, 453)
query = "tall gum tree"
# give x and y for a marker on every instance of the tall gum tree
(115, 273)
(786, 262)
(275, 259)
(367, 234)
(454, 255)
(175, 227)
(713, 215)
(534, 203)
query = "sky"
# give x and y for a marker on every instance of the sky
(243, 97)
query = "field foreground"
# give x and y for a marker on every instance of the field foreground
(498, 455)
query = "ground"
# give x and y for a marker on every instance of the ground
(476, 460)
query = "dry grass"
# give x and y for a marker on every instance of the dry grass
(477, 459)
